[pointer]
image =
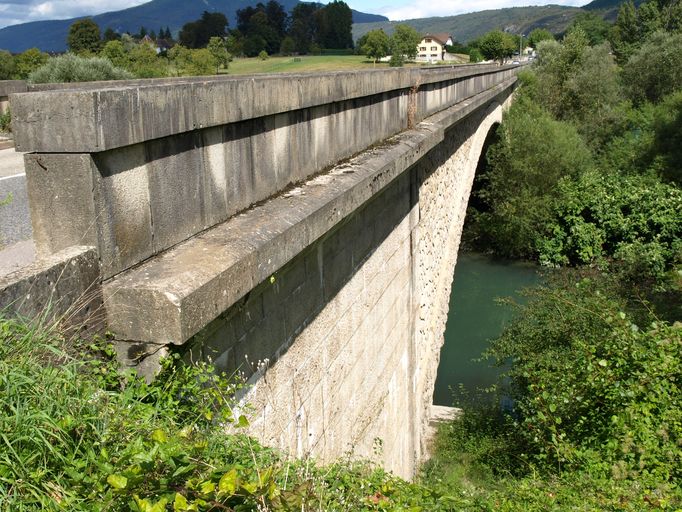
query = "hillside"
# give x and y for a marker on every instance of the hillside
(51, 35)
(465, 27)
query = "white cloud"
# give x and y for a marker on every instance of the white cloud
(21, 11)
(412, 10)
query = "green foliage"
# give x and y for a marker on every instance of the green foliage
(376, 45)
(263, 55)
(28, 61)
(404, 43)
(102, 440)
(334, 23)
(143, 61)
(83, 37)
(73, 68)
(497, 45)
(288, 46)
(539, 34)
(534, 152)
(475, 55)
(667, 144)
(191, 62)
(115, 52)
(625, 33)
(6, 121)
(197, 34)
(593, 389)
(606, 215)
(594, 26)
(7, 65)
(216, 46)
(655, 70)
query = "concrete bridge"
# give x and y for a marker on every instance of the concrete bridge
(302, 229)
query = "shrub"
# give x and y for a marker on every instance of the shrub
(655, 70)
(263, 55)
(73, 68)
(593, 389)
(6, 122)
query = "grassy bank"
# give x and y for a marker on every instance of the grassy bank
(77, 435)
(306, 63)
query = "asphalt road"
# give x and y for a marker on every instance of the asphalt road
(16, 246)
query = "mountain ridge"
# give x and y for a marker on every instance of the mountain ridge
(50, 35)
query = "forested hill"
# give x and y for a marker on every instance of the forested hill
(51, 35)
(466, 27)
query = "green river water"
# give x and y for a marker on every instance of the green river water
(475, 317)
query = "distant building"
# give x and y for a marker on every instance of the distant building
(432, 47)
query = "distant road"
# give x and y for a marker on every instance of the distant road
(16, 246)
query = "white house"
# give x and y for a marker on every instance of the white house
(432, 47)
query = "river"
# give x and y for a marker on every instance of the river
(475, 317)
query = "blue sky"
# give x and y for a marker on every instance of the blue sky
(20, 11)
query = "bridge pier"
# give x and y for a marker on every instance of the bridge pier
(302, 230)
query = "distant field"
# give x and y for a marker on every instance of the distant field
(308, 63)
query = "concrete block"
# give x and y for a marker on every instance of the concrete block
(63, 288)
(122, 205)
(60, 191)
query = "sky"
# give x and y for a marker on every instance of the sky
(21, 11)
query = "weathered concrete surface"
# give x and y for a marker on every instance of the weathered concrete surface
(16, 256)
(15, 219)
(140, 200)
(230, 259)
(63, 288)
(95, 118)
(8, 87)
(342, 345)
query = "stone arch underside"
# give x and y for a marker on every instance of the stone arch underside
(342, 346)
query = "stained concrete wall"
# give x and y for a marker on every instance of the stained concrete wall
(342, 346)
(340, 340)
(8, 87)
(135, 169)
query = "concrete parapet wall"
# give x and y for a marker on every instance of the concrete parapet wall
(136, 169)
(63, 288)
(341, 345)
(8, 87)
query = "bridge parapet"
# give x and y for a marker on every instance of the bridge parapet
(136, 168)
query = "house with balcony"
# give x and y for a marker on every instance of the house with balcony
(432, 47)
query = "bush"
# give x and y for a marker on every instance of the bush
(6, 122)
(593, 389)
(534, 152)
(655, 70)
(598, 216)
(72, 68)
(263, 55)
(101, 440)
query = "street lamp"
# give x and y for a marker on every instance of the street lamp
(520, 41)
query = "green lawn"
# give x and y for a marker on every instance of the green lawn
(307, 63)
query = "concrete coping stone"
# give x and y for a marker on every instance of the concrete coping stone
(8, 87)
(183, 289)
(94, 117)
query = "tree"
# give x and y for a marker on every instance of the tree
(655, 70)
(115, 52)
(404, 42)
(288, 46)
(191, 62)
(7, 66)
(497, 45)
(335, 21)
(84, 37)
(539, 34)
(216, 46)
(145, 63)
(110, 35)
(277, 18)
(649, 20)
(376, 45)
(303, 26)
(28, 61)
(594, 26)
(196, 34)
(625, 33)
